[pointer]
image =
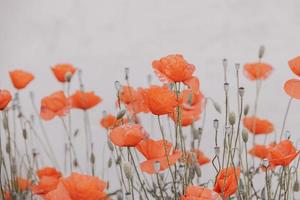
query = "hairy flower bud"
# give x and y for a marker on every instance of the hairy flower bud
(245, 135)
(127, 170)
(261, 52)
(121, 114)
(231, 118)
(246, 110)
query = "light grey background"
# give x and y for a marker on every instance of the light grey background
(103, 37)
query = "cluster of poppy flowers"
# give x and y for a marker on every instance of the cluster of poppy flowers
(183, 106)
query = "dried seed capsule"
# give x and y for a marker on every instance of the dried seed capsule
(216, 124)
(118, 85)
(241, 91)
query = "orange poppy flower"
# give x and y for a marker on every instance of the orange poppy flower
(84, 187)
(155, 151)
(127, 135)
(260, 151)
(20, 79)
(54, 105)
(109, 121)
(282, 153)
(48, 171)
(84, 100)
(202, 159)
(23, 184)
(60, 193)
(258, 126)
(173, 68)
(5, 98)
(49, 178)
(257, 71)
(295, 65)
(193, 83)
(199, 193)
(292, 88)
(60, 71)
(160, 100)
(190, 108)
(227, 182)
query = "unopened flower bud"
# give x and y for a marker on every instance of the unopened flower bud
(246, 110)
(24, 134)
(231, 118)
(109, 164)
(126, 73)
(216, 124)
(245, 135)
(92, 158)
(68, 76)
(110, 145)
(261, 52)
(121, 114)
(217, 107)
(127, 170)
(241, 91)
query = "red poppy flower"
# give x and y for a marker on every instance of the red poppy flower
(199, 193)
(5, 98)
(23, 184)
(292, 88)
(282, 153)
(48, 171)
(60, 193)
(54, 105)
(193, 83)
(84, 187)
(173, 68)
(227, 181)
(295, 65)
(20, 78)
(157, 152)
(109, 121)
(133, 99)
(258, 126)
(84, 100)
(260, 151)
(60, 71)
(127, 135)
(257, 71)
(160, 100)
(202, 159)
(190, 108)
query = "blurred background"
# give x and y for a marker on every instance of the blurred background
(103, 37)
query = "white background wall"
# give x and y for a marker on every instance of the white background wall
(102, 37)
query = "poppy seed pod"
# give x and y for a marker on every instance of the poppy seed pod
(126, 73)
(226, 87)
(217, 151)
(246, 110)
(245, 135)
(231, 118)
(261, 52)
(216, 124)
(127, 170)
(241, 91)
(118, 86)
(265, 163)
(237, 66)
(68, 76)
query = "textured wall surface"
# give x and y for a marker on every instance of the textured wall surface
(102, 37)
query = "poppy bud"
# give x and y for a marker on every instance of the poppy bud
(8, 148)
(118, 85)
(109, 164)
(92, 158)
(191, 173)
(217, 107)
(126, 73)
(226, 87)
(216, 124)
(231, 118)
(156, 166)
(5, 123)
(121, 114)
(181, 170)
(245, 135)
(261, 52)
(265, 163)
(110, 145)
(241, 91)
(246, 110)
(237, 66)
(225, 65)
(217, 151)
(24, 134)
(296, 186)
(198, 170)
(127, 170)
(149, 79)
(68, 76)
